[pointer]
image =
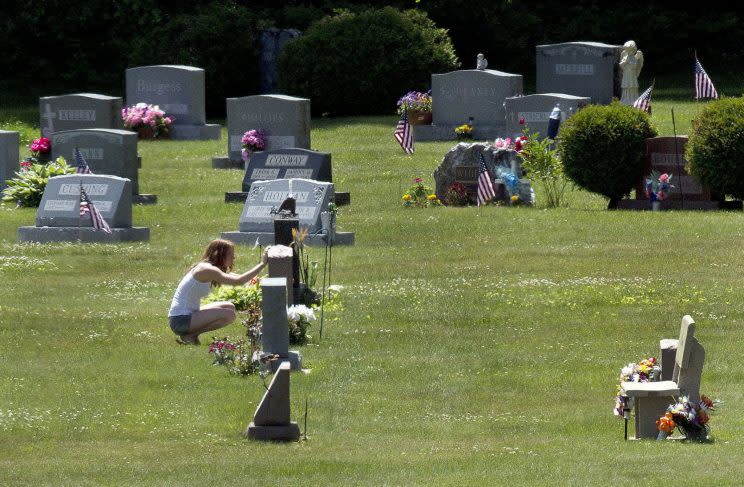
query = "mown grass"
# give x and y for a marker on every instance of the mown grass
(476, 347)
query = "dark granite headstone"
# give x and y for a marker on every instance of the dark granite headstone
(79, 111)
(273, 41)
(287, 164)
(667, 155)
(579, 68)
(9, 154)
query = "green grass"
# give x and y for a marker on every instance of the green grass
(476, 347)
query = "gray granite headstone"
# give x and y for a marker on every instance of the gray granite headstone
(579, 68)
(271, 421)
(285, 119)
(536, 109)
(480, 94)
(275, 329)
(107, 151)
(177, 90)
(9, 154)
(287, 164)
(79, 111)
(312, 198)
(60, 204)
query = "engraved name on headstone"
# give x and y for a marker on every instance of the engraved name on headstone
(287, 164)
(79, 111)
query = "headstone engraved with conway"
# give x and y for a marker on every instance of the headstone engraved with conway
(264, 200)
(107, 151)
(9, 154)
(476, 94)
(177, 90)
(533, 111)
(284, 119)
(79, 111)
(587, 69)
(58, 217)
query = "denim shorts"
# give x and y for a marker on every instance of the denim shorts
(180, 324)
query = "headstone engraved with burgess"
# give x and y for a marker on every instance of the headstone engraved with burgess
(535, 111)
(107, 151)
(588, 69)
(284, 119)
(177, 90)
(58, 217)
(79, 111)
(287, 164)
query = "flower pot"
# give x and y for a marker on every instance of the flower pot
(416, 117)
(150, 133)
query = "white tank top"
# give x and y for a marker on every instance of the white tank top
(188, 295)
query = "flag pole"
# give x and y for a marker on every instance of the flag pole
(676, 160)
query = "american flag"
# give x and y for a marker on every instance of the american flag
(87, 207)
(82, 166)
(703, 85)
(644, 101)
(485, 185)
(404, 134)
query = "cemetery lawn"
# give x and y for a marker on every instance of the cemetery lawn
(473, 347)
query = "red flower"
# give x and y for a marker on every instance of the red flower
(521, 120)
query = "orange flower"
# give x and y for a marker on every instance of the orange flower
(707, 401)
(666, 423)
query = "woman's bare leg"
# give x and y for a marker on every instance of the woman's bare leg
(212, 316)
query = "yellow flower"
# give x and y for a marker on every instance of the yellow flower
(514, 198)
(431, 197)
(406, 197)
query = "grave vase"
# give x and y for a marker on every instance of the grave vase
(145, 133)
(416, 117)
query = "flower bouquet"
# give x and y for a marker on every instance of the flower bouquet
(300, 317)
(657, 187)
(456, 195)
(149, 121)
(420, 195)
(41, 151)
(464, 132)
(418, 106)
(253, 140)
(689, 417)
(644, 371)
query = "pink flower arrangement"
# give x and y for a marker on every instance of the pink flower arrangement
(509, 144)
(143, 115)
(520, 143)
(253, 140)
(25, 166)
(42, 145)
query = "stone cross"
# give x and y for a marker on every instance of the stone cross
(48, 115)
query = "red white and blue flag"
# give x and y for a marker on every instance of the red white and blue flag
(485, 185)
(703, 85)
(644, 101)
(403, 134)
(88, 208)
(82, 165)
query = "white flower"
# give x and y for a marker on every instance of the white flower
(300, 311)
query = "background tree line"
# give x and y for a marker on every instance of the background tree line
(56, 46)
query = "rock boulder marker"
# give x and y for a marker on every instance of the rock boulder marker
(107, 151)
(79, 111)
(58, 217)
(587, 69)
(263, 201)
(9, 155)
(179, 91)
(284, 119)
(271, 421)
(458, 96)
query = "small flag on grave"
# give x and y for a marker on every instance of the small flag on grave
(644, 101)
(88, 208)
(82, 165)
(485, 185)
(703, 85)
(404, 134)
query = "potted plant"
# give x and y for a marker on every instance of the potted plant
(418, 107)
(149, 121)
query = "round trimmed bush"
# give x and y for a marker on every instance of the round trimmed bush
(602, 148)
(715, 150)
(361, 63)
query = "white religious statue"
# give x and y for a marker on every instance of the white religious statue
(631, 63)
(481, 62)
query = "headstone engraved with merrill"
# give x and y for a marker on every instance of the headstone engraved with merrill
(458, 96)
(58, 217)
(9, 154)
(535, 111)
(284, 119)
(579, 68)
(79, 111)
(265, 198)
(177, 90)
(107, 151)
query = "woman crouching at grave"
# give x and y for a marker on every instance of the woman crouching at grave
(186, 317)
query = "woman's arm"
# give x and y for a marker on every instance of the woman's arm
(205, 272)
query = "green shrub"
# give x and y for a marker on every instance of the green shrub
(361, 63)
(602, 148)
(715, 150)
(540, 160)
(245, 298)
(28, 187)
